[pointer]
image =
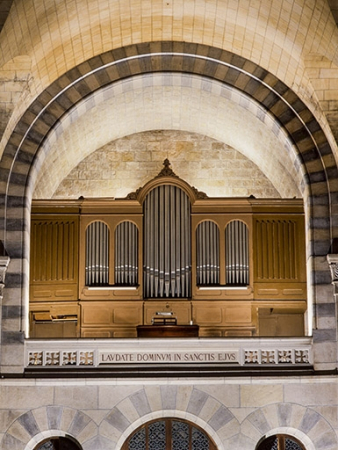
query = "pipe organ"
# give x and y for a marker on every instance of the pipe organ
(97, 254)
(237, 253)
(126, 251)
(103, 267)
(207, 254)
(167, 243)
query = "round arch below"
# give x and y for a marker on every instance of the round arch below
(169, 426)
(291, 419)
(293, 433)
(44, 438)
(37, 425)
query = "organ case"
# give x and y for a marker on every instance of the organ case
(235, 267)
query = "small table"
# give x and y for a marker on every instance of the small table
(167, 331)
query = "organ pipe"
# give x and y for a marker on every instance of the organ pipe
(167, 243)
(237, 253)
(126, 245)
(97, 254)
(207, 265)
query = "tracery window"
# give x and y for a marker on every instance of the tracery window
(169, 434)
(280, 442)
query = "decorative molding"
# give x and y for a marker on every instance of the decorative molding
(4, 262)
(60, 358)
(133, 195)
(228, 353)
(199, 194)
(332, 259)
(278, 356)
(166, 172)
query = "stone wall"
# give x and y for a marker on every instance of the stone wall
(128, 163)
(236, 413)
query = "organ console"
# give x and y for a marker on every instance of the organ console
(104, 267)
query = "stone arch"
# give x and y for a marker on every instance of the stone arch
(273, 95)
(261, 44)
(168, 423)
(33, 426)
(193, 405)
(300, 436)
(304, 423)
(214, 111)
(314, 154)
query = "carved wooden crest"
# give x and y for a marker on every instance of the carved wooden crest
(167, 172)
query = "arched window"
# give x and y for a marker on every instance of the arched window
(97, 254)
(207, 253)
(237, 253)
(280, 442)
(58, 443)
(167, 243)
(169, 434)
(126, 245)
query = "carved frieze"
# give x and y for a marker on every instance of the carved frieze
(167, 172)
(103, 355)
(4, 261)
(333, 264)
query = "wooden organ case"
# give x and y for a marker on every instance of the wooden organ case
(100, 268)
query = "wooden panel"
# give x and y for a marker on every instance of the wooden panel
(54, 320)
(54, 258)
(54, 330)
(127, 314)
(53, 291)
(240, 333)
(123, 332)
(280, 290)
(111, 293)
(96, 315)
(111, 314)
(281, 325)
(92, 333)
(235, 314)
(222, 313)
(54, 250)
(210, 315)
(211, 332)
(227, 332)
(279, 252)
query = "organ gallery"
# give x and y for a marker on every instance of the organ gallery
(167, 259)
